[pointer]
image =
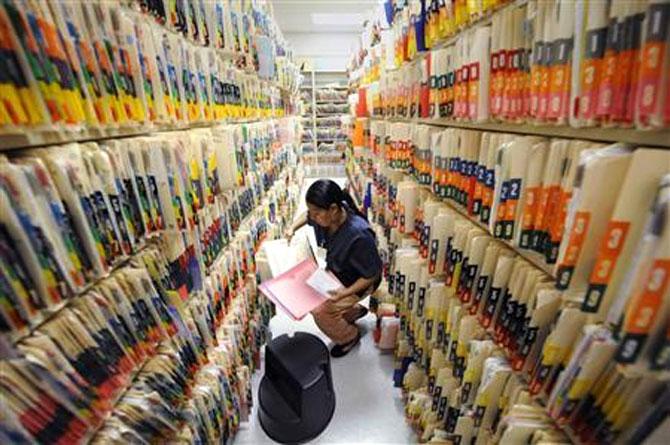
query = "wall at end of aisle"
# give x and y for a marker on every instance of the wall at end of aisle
(328, 51)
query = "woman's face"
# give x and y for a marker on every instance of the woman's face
(322, 217)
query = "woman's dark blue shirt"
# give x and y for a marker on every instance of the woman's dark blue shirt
(351, 250)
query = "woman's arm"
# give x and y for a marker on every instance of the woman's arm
(297, 224)
(355, 289)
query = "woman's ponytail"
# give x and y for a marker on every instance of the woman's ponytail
(347, 198)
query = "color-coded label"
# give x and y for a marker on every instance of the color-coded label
(643, 311)
(608, 254)
(653, 55)
(580, 227)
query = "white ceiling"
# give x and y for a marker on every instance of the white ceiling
(341, 16)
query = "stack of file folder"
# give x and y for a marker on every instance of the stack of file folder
(498, 343)
(560, 62)
(132, 311)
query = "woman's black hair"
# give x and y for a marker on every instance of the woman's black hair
(325, 192)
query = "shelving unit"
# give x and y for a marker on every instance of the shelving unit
(649, 138)
(108, 266)
(11, 142)
(355, 170)
(320, 82)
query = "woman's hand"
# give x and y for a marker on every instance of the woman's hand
(339, 294)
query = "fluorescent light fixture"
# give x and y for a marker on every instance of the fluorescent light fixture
(338, 18)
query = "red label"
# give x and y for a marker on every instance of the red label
(650, 77)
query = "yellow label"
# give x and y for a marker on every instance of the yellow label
(551, 354)
(469, 375)
(195, 170)
(457, 276)
(473, 7)
(461, 349)
(12, 96)
(579, 388)
(34, 112)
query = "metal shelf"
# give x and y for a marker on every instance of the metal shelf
(35, 139)
(651, 138)
(330, 114)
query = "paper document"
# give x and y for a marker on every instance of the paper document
(323, 282)
(282, 255)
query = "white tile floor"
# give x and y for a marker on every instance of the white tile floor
(368, 408)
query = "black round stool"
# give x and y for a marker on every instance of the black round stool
(296, 396)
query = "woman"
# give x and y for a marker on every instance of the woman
(351, 256)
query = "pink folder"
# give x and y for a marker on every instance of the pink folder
(291, 292)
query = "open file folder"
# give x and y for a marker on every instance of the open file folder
(301, 289)
(298, 285)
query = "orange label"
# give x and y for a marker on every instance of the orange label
(610, 248)
(53, 47)
(548, 203)
(543, 99)
(477, 194)
(510, 209)
(646, 306)
(501, 211)
(487, 196)
(529, 207)
(535, 88)
(559, 214)
(577, 236)
(606, 83)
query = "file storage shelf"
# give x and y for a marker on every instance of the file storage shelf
(333, 102)
(540, 399)
(313, 114)
(533, 257)
(35, 139)
(46, 317)
(651, 138)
